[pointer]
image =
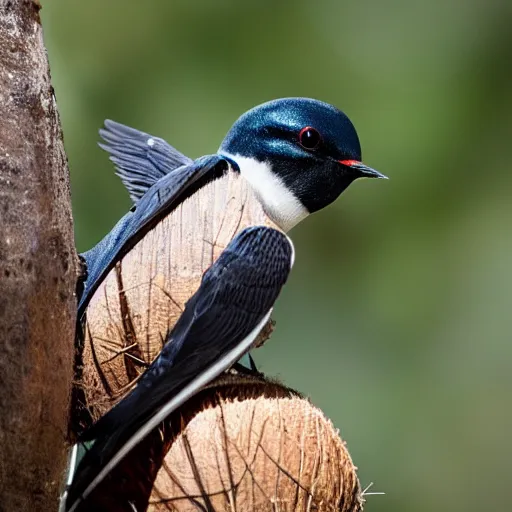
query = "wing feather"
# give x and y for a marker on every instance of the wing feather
(219, 324)
(139, 158)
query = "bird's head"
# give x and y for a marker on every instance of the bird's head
(298, 154)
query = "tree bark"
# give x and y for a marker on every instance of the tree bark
(38, 266)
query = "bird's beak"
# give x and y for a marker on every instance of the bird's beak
(362, 170)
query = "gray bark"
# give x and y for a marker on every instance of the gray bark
(38, 266)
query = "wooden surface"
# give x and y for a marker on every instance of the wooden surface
(257, 454)
(141, 299)
(242, 444)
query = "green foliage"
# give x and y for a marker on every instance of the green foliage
(396, 320)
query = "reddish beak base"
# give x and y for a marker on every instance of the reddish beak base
(349, 163)
(363, 170)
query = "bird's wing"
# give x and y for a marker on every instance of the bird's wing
(219, 324)
(156, 203)
(140, 159)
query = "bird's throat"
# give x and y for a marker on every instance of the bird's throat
(278, 201)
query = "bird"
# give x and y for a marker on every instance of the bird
(209, 238)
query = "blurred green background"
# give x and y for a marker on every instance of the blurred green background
(397, 317)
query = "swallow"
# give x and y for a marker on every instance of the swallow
(190, 274)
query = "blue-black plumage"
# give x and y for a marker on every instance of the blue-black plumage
(219, 324)
(297, 155)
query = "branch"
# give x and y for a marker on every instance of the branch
(37, 269)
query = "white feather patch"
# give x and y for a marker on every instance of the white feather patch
(279, 202)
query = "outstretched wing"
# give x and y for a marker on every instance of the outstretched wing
(219, 324)
(157, 202)
(139, 158)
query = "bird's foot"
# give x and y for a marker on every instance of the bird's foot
(246, 366)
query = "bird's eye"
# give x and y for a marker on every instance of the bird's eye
(309, 138)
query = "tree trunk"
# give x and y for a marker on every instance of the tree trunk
(38, 266)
